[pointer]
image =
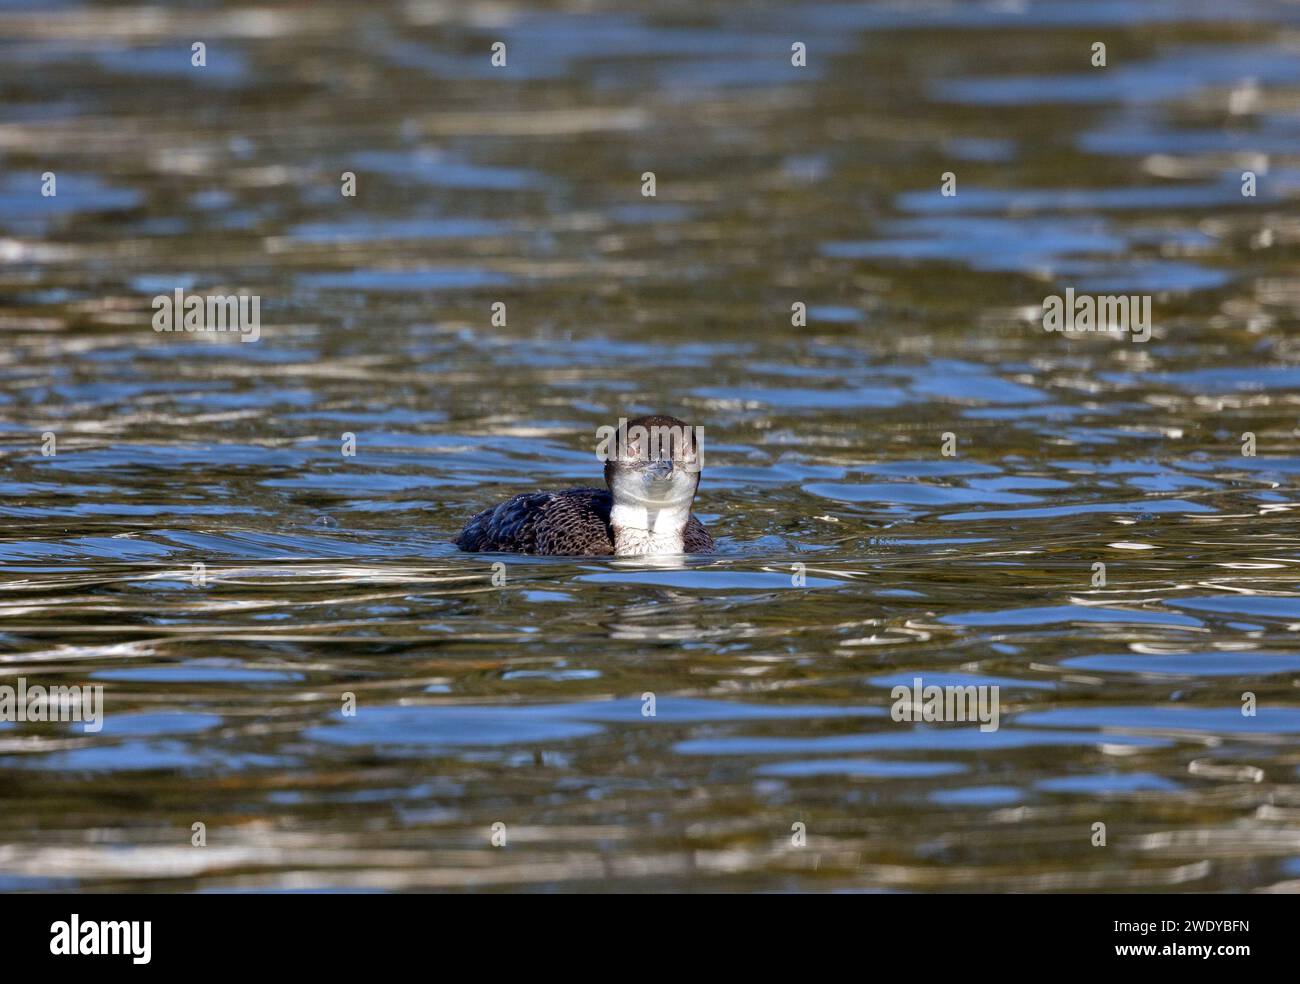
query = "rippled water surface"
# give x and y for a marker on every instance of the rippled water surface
(522, 703)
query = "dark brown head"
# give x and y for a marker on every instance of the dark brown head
(654, 460)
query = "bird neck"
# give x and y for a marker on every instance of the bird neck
(649, 528)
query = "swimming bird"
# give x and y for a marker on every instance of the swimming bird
(652, 471)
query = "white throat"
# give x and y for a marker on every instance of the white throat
(649, 528)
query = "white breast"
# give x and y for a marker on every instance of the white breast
(640, 530)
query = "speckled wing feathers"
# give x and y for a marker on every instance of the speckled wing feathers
(696, 538)
(573, 523)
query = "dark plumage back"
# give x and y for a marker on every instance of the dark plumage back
(575, 522)
(572, 522)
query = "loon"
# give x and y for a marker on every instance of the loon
(646, 508)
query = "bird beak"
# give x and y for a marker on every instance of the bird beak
(659, 470)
